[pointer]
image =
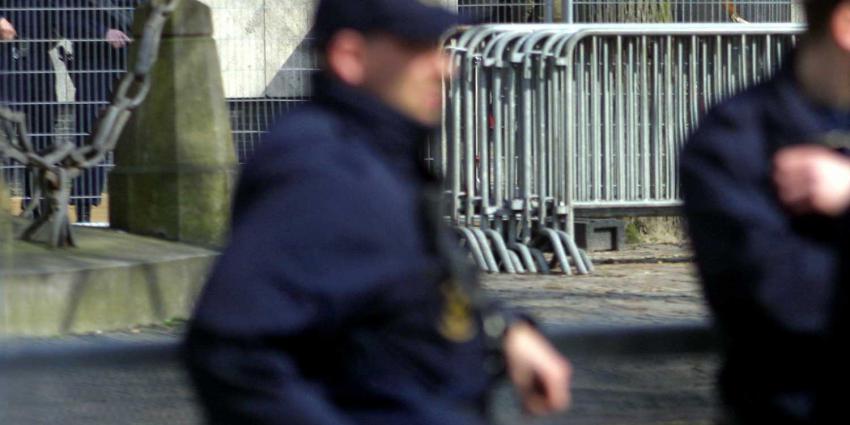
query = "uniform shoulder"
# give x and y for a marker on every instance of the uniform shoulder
(309, 132)
(744, 107)
(312, 141)
(309, 122)
(736, 123)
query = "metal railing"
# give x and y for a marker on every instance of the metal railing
(542, 120)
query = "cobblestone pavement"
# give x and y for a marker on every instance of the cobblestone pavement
(634, 390)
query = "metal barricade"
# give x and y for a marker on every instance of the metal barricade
(542, 120)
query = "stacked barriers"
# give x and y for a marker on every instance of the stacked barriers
(545, 120)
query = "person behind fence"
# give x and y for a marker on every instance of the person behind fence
(29, 30)
(98, 30)
(766, 184)
(340, 298)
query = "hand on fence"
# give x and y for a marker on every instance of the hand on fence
(116, 38)
(541, 375)
(7, 30)
(812, 179)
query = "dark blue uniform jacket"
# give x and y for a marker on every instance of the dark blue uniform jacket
(776, 283)
(26, 74)
(324, 307)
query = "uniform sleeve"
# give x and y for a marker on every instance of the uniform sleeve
(274, 298)
(77, 20)
(756, 266)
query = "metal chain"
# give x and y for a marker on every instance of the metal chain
(56, 166)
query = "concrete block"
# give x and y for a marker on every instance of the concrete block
(175, 163)
(257, 39)
(286, 25)
(600, 235)
(111, 281)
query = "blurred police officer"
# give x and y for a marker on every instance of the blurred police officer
(766, 182)
(340, 299)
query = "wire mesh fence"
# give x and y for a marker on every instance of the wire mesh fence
(631, 11)
(506, 11)
(685, 11)
(60, 68)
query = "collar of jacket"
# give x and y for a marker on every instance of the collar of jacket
(396, 136)
(798, 116)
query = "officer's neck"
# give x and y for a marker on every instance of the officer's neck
(823, 71)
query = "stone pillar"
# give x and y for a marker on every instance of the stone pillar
(175, 163)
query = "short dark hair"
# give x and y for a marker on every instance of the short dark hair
(819, 13)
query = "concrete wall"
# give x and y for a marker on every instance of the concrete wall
(256, 38)
(262, 48)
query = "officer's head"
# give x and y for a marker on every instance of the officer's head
(389, 48)
(829, 21)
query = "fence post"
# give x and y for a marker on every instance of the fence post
(175, 162)
(566, 12)
(5, 224)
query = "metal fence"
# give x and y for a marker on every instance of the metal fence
(631, 11)
(507, 11)
(542, 120)
(684, 11)
(60, 72)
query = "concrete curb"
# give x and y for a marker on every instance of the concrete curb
(111, 281)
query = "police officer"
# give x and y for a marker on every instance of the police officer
(339, 299)
(766, 183)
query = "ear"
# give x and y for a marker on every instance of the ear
(840, 26)
(345, 54)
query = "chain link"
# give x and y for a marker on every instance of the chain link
(58, 165)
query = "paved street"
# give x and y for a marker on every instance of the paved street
(632, 390)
